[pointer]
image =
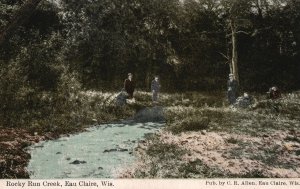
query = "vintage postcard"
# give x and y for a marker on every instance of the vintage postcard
(149, 94)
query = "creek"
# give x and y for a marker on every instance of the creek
(100, 152)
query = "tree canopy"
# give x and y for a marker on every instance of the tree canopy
(192, 44)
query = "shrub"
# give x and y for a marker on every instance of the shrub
(193, 123)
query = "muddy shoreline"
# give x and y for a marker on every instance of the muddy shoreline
(14, 157)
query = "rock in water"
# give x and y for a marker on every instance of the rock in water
(116, 150)
(122, 150)
(110, 150)
(76, 162)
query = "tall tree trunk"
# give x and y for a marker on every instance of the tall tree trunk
(259, 9)
(21, 16)
(234, 59)
(229, 55)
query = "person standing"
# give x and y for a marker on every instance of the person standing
(129, 85)
(155, 88)
(232, 89)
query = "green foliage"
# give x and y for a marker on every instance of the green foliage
(104, 40)
(13, 97)
(98, 42)
(113, 38)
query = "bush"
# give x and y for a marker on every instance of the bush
(194, 123)
(16, 94)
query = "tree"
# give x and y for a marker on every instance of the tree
(236, 13)
(20, 17)
(114, 37)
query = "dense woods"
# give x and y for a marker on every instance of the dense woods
(50, 49)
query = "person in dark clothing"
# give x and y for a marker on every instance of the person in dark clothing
(232, 89)
(155, 87)
(129, 86)
(274, 93)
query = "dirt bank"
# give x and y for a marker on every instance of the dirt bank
(231, 155)
(13, 157)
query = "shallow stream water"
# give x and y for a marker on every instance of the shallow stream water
(101, 152)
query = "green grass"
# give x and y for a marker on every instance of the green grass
(263, 117)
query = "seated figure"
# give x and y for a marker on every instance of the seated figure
(274, 93)
(244, 101)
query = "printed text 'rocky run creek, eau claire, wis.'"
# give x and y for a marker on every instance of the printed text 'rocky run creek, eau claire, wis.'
(64, 183)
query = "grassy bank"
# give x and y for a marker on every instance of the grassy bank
(205, 138)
